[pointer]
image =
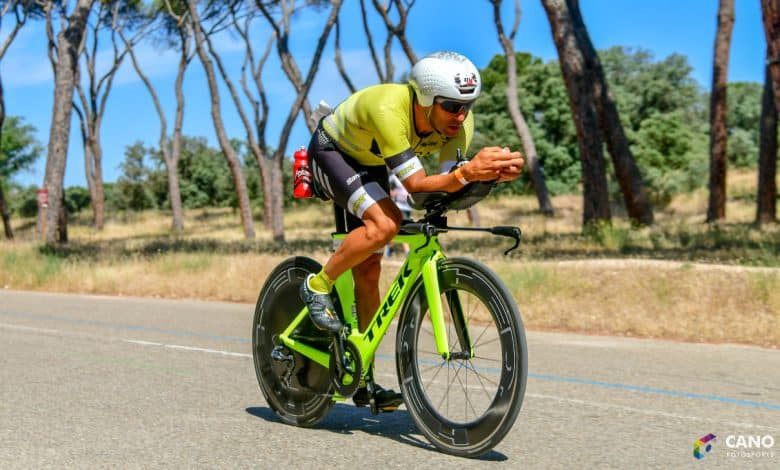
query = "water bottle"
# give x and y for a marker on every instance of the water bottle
(302, 177)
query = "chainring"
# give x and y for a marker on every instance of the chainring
(337, 380)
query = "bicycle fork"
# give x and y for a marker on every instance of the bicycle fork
(430, 275)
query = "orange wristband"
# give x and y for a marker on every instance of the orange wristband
(461, 178)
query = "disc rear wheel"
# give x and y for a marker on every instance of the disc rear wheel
(295, 387)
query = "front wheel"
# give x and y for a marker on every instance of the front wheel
(464, 406)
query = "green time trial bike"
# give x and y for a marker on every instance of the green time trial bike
(460, 350)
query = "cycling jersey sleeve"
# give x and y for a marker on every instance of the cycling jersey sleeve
(404, 165)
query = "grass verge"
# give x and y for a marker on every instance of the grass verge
(680, 279)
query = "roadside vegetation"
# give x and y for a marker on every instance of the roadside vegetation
(680, 279)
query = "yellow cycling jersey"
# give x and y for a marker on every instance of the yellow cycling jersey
(377, 123)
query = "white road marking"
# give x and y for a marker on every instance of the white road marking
(9, 326)
(142, 343)
(532, 395)
(645, 411)
(209, 351)
(187, 348)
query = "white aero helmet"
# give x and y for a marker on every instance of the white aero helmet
(446, 74)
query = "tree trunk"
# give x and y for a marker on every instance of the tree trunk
(770, 10)
(4, 212)
(99, 203)
(219, 127)
(68, 43)
(169, 150)
(256, 145)
(339, 62)
(277, 199)
(581, 101)
(766, 211)
(513, 106)
(626, 171)
(718, 131)
(172, 160)
(302, 87)
(62, 221)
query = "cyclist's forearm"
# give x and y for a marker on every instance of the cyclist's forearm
(420, 182)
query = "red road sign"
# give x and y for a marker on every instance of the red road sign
(43, 198)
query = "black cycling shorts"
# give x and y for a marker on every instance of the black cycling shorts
(353, 187)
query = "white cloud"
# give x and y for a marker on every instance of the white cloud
(26, 62)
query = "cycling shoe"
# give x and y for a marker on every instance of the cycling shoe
(321, 309)
(385, 400)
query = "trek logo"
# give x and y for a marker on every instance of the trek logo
(466, 84)
(392, 297)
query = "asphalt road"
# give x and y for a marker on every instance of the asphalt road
(138, 383)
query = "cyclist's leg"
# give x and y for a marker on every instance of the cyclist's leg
(372, 219)
(366, 275)
(368, 215)
(365, 210)
(380, 223)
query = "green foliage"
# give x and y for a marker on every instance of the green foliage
(132, 192)
(18, 148)
(643, 87)
(662, 108)
(77, 199)
(545, 107)
(672, 156)
(204, 178)
(616, 239)
(24, 201)
(743, 121)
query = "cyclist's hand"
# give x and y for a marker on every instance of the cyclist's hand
(494, 163)
(512, 172)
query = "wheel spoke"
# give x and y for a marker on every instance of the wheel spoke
(487, 359)
(481, 376)
(431, 367)
(497, 338)
(476, 341)
(446, 394)
(468, 390)
(433, 379)
(466, 393)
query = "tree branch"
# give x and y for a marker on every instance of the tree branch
(339, 62)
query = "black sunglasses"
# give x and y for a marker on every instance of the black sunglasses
(455, 107)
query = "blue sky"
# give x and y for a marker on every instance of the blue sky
(660, 26)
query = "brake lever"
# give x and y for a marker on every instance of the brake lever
(511, 232)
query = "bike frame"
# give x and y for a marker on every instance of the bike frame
(422, 260)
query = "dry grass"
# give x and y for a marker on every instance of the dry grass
(671, 285)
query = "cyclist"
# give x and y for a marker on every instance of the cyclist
(385, 128)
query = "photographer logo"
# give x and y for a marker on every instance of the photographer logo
(703, 446)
